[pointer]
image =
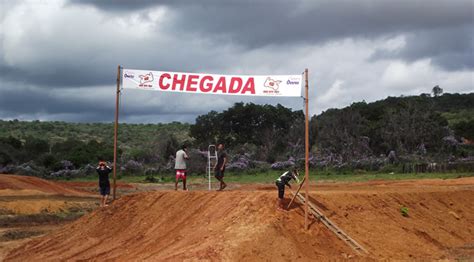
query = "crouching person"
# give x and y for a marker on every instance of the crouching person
(104, 184)
(283, 181)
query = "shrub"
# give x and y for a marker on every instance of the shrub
(150, 178)
(284, 164)
(404, 211)
(133, 167)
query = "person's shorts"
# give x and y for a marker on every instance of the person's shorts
(104, 190)
(181, 174)
(219, 174)
(281, 189)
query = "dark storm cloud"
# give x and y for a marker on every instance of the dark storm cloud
(450, 48)
(441, 30)
(119, 5)
(24, 100)
(61, 76)
(248, 25)
(258, 23)
(53, 60)
(32, 103)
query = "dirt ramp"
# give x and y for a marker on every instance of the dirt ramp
(212, 226)
(24, 185)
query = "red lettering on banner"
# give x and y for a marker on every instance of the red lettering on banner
(249, 86)
(206, 87)
(160, 81)
(220, 85)
(192, 81)
(235, 85)
(177, 81)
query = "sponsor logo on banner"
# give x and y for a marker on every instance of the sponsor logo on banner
(272, 84)
(293, 81)
(146, 80)
(128, 75)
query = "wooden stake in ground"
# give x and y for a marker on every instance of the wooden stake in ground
(116, 130)
(306, 175)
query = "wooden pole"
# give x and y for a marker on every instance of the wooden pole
(306, 175)
(116, 131)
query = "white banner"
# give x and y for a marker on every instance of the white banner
(262, 85)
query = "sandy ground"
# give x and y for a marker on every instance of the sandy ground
(243, 224)
(31, 195)
(7, 246)
(28, 199)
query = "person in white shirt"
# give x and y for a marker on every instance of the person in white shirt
(180, 167)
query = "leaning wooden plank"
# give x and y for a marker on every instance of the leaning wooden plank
(297, 191)
(331, 226)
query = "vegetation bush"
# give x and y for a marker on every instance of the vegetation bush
(404, 211)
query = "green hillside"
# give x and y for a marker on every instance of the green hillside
(415, 128)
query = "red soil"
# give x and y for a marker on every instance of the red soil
(35, 185)
(244, 225)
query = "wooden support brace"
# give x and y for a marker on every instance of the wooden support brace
(297, 191)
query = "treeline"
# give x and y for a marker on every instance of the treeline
(48, 147)
(415, 129)
(50, 156)
(425, 125)
(266, 132)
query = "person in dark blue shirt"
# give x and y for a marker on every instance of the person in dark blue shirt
(283, 181)
(103, 170)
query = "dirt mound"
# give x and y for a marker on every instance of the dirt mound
(439, 224)
(188, 226)
(75, 184)
(244, 225)
(27, 185)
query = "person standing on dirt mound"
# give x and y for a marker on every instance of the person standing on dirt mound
(219, 168)
(283, 181)
(104, 184)
(180, 167)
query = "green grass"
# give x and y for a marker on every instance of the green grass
(270, 176)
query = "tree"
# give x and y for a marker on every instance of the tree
(465, 129)
(413, 122)
(204, 130)
(34, 147)
(343, 132)
(437, 91)
(266, 126)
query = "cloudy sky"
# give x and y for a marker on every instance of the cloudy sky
(58, 58)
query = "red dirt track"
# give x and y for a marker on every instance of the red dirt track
(14, 182)
(244, 225)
